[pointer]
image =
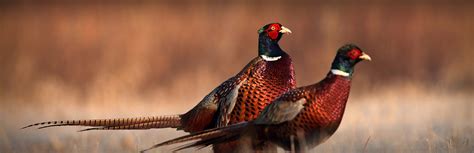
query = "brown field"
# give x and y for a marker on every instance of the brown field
(82, 60)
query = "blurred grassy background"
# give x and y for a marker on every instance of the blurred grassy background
(99, 59)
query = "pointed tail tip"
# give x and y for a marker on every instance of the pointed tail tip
(143, 151)
(28, 126)
(88, 129)
(83, 130)
(44, 127)
(148, 149)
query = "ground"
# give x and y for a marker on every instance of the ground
(395, 119)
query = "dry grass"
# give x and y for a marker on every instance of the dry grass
(100, 60)
(407, 120)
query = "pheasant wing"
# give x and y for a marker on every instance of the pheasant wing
(282, 110)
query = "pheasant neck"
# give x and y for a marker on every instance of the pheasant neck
(281, 71)
(335, 90)
(342, 67)
(340, 73)
(269, 49)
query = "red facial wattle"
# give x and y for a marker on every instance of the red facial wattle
(273, 31)
(354, 54)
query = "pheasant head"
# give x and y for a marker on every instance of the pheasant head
(346, 58)
(269, 35)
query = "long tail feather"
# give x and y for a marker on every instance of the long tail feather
(125, 123)
(140, 126)
(206, 137)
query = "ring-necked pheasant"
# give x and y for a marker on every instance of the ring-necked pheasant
(305, 116)
(240, 98)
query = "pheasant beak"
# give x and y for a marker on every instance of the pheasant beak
(285, 30)
(364, 56)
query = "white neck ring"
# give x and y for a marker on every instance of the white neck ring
(268, 58)
(339, 72)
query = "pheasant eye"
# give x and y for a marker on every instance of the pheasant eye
(273, 28)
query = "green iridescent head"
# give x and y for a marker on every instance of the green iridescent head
(347, 57)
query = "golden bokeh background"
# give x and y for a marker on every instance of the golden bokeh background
(103, 59)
